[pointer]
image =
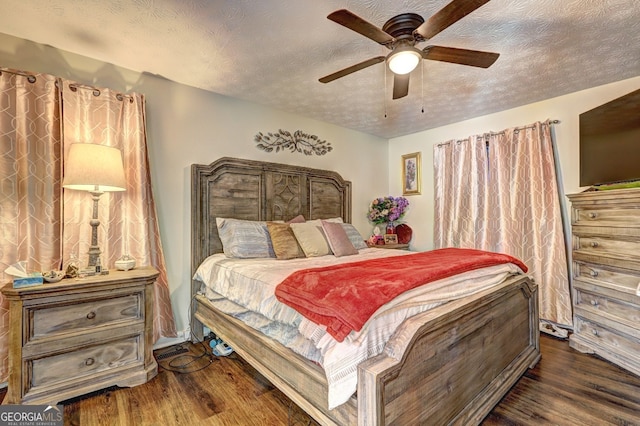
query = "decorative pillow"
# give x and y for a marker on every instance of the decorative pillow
(334, 220)
(297, 219)
(284, 241)
(311, 238)
(244, 239)
(354, 236)
(338, 239)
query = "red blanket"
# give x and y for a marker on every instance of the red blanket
(343, 297)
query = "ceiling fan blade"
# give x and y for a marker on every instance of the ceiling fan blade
(352, 69)
(359, 25)
(474, 58)
(448, 15)
(400, 85)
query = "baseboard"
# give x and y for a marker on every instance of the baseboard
(182, 337)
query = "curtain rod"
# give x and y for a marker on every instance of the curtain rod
(30, 77)
(96, 92)
(516, 129)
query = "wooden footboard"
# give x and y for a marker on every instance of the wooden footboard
(452, 368)
(450, 365)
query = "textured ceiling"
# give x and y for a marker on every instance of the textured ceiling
(272, 52)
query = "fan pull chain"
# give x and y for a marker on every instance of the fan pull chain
(422, 86)
(384, 93)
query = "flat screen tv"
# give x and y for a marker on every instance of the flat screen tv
(610, 142)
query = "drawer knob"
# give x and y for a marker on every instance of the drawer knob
(89, 361)
(594, 302)
(91, 315)
(594, 273)
(594, 244)
(592, 215)
(595, 332)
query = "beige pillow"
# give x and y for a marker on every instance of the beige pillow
(311, 238)
(284, 242)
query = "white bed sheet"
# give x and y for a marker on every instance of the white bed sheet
(245, 288)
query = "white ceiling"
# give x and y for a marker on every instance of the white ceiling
(272, 52)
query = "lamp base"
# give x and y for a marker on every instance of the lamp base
(94, 255)
(94, 249)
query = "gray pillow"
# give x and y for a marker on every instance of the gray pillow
(354, 236)
(244, 239)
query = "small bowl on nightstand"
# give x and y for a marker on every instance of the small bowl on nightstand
(125, 263)
(53, 276)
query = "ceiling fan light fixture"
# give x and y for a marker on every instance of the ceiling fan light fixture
(403, 60)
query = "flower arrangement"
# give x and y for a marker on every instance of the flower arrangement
(387, 209)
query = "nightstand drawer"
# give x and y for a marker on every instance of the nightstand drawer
(59, 319)
(86, 362)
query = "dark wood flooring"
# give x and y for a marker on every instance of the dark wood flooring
(565, 388)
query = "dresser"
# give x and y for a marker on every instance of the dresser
(606, 274)
(80, 335)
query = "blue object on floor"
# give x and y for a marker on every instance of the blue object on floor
(220, 348)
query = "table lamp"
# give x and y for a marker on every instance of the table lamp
(96, 169)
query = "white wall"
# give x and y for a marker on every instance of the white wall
(187, 125)
(564, 108)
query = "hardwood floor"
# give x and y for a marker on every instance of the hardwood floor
(565, 388)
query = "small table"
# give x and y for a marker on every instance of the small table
(80, 335)
(390, 246)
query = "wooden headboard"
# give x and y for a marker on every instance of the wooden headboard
(257, 190)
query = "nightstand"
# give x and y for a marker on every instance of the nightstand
(390, 246)
(80, 335)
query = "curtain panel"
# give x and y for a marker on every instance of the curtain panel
(499, 192)
(40, 116)
(30, 181)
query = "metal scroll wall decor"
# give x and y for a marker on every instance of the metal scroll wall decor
(297, 141)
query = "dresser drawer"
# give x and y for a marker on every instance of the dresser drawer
(615, 252)
(599, 246)
(618, 279)
(89, 362)
(616, 217)
(619, 343)
(609, 304)
(56, 319)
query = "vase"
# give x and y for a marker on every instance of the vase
(391, 228)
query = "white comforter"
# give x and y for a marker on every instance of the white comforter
(245, 289)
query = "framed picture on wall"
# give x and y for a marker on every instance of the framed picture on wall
(411, 174)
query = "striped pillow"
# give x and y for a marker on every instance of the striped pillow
(354, 236)
(244, 239)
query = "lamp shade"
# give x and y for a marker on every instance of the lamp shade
(93, 167)
(404, 60)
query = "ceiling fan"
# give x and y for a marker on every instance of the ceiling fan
(401, 33)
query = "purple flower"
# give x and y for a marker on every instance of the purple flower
(387, 209)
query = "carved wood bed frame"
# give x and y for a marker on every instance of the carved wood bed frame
(459, 361)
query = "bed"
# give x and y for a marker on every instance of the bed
(447, 365)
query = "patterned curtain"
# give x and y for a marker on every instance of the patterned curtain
(30, 181)
(41, 223)
(499, 192)
(128, 220)
(460, 194)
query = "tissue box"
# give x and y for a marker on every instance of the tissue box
(28, 281)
